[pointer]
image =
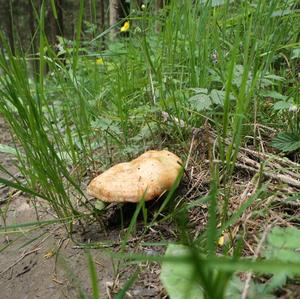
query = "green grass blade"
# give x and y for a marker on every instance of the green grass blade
(93, 276)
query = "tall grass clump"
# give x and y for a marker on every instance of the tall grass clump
(44, 148)
(39, 162)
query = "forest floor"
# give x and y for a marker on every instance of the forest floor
(43, 262)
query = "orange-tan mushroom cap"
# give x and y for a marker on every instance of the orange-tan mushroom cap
(147, 176)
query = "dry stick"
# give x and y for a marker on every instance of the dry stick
(253, 183)
(278, 163)
(103, 245)
(152, 87)
(265, 156)
(190, 151)
(266, 127)
(250, 189)
(199, 179)
(280, 177)
(277, 166)
(291, 203)
(257, 251)
(246, 160)
(20, 259)
(260, 155)
(29, 252)
(187, 163)
(260, 139)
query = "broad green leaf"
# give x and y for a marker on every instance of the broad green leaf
(200, 102)
(105, 124)
(146, 131)
(277, 281)
(255, 291)
(282, 244)
(178, 278)
(200, 90)
(296, 53)
(238, 76)
(283, 254)
(217, 96)
(215, 3)
(286, 142)
(282, 105)
(102, 123)
(288, 237)
(273, 94)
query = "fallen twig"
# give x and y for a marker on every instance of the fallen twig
(271, 166)
(256, 254)
(20, 259)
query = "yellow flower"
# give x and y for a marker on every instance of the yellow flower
(221, 241)
(99, 61)
(125, 27)
(49, 253)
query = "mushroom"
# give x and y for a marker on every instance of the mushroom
(147, 176)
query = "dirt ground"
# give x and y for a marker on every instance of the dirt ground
(45, 263)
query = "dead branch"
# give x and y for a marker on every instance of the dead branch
(271, 166)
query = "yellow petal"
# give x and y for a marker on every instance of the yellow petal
(221, 241)
(49, 254)
(125, 27)
(99, 61)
